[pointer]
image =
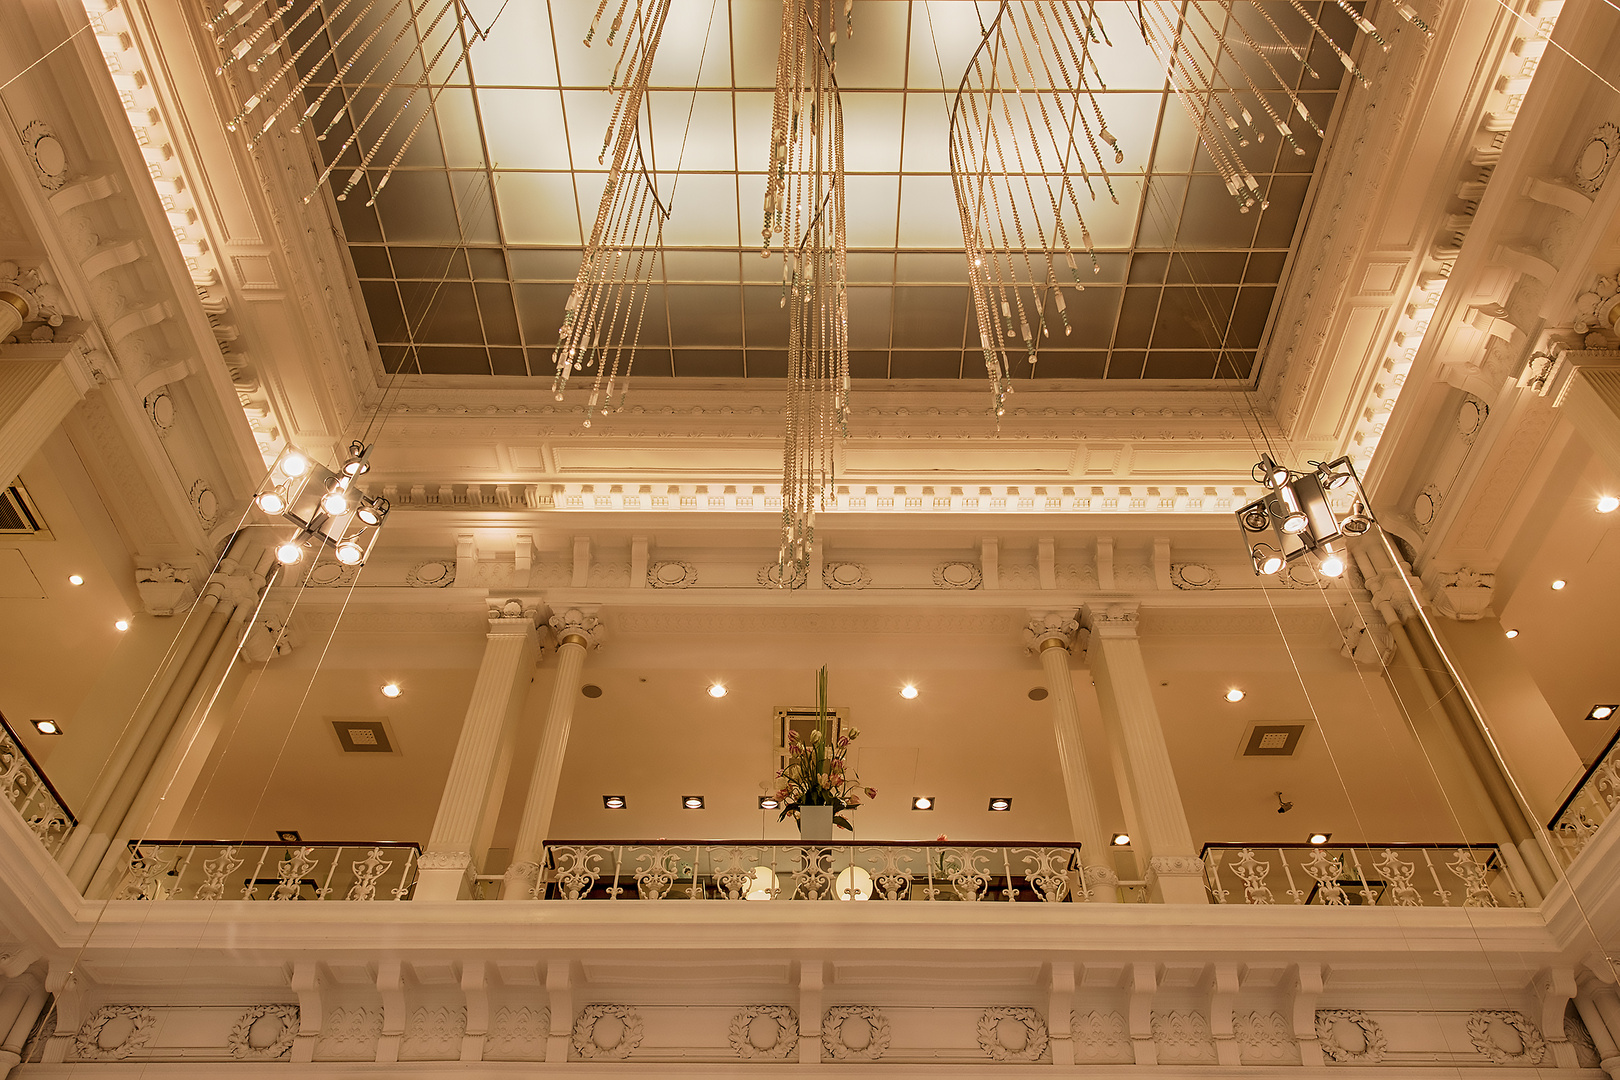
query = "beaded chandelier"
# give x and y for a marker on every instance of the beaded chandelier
(804, 212)
(1027, 123)
(603, 317)
(399, 50)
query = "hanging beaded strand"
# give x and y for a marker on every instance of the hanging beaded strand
(605, 312)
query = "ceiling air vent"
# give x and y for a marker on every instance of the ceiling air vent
(363, 734)
(1272, 740)
(18, 514)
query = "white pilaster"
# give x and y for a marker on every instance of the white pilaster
(1050, 636)
(577, 632)
(503, 677)
(1126, 695)
(38, 385)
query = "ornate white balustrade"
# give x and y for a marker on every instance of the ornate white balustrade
(23, 785)
(1360, 875)
(690, 870)
(1589, 805)
(227, 870)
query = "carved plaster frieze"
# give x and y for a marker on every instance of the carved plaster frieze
(1013, 1034)
(431, 574)
(433, 1033)
(263, 1033)
(1183, 1038)
(518, 1034)
(607, 1032)
(1101, 1038)
(855, 1033)
(1265, 1039)
(349, 1034)
(846, 575)
(766, 1032)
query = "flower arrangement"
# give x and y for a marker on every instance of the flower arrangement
(817, 771)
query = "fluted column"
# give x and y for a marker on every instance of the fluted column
(577, 632)
(1603, 1039)
(19, 1023)
(1051, 636)
(1125, 693)
(38, 385)
(472, 791)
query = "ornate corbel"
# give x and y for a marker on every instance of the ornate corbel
(165, 589)
(1464, 594)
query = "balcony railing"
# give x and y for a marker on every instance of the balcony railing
(245, 870)
(1589, 805)
(23, 785)
(1360, 875)
(694, 870)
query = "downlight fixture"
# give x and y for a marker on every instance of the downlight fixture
(769, 802)
(390, 689)
(1121, 840)
(1607, 504)
(349, 554)
(922, 802)
(908, 691)
(692, 802)
(1320, 838)
(614, 802)
(46, 726)
(273, 501)
(1000, 804)
(289, 553)
(121, 625)
(75, 579)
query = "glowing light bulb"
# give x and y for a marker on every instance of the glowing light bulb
(390, 689)
(908, 691)
(1608, 504)
(121, 625)
(272, 502)
(1602, 712)
(922, 802)
(1332, 566)
(349, 553)
(1234, 695)
(289, 553)
(1122, 839)
(294, 463)
(1319, 837)
(1295, 522)
(717, 691)
(1558, 583)
(75, 579)
(1512, 633)
(335, 503)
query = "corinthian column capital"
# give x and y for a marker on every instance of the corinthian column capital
(578, 625)
(1051, 630)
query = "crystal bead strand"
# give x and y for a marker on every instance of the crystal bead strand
(607, 307)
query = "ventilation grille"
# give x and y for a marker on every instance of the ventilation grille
(363, 734)
(17, 513)
(1272, 740)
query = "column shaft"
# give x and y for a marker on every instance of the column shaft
(36, 393)
(1084, 818)
(524, 872)
(1126, 696)
(503, 677)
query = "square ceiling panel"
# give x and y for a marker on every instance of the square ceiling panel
(466, 258)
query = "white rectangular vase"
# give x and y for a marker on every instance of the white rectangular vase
(815, 823)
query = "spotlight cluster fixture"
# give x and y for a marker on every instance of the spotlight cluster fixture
(326, 506)
(1294, 519)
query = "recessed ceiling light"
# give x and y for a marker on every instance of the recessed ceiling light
(1320, 837)
(289, 836)
(1234, 694)
(692, 802)
(47, 727)
(908, 691)
(613, 802)
(1600, 712)
(1559, 583)
(121, 625)
(75, 579)
(769, 802)
(1121, 839)
(717, 690)
(1512, 633)
(1000, 804)
(922, 802)
(390, 689)
(1608, 504)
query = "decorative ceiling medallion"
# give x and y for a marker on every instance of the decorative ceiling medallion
(1426, 507)
(607, 1032)
(1596, 157)
(771, 577)
(769, 1032)
(331, 574)
(846, 575)
(1012, 1034)
(205, 502)
(855, 1032)
(263, 1033)
(160, 409)
(1470, 418)
(113, 1032)
(672, 574)
(1505, 1037)
(431, 574)
(45, 150)
(1194, 576)
(1350, 1037)
(957, 575)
